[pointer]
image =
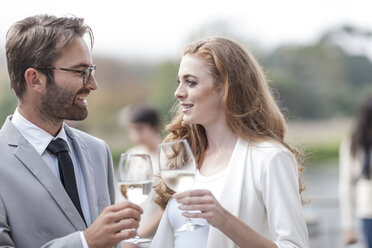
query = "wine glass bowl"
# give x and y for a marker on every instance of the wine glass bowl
(177, 169)
(135, 182)
(178, 180)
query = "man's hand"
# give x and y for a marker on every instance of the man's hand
(350, 237)
(116, 223)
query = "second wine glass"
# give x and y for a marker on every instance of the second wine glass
(177, 168)
(135, 182)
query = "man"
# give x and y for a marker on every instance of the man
(56, 183)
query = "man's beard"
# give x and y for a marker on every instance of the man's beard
(59, 104)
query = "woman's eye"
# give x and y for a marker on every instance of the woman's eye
(190, 82)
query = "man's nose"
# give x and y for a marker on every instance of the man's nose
(92, 83)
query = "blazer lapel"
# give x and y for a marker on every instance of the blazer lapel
(84, 157)
(231, 195)
(26, 153)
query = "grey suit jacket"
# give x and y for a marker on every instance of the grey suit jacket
(35, 210)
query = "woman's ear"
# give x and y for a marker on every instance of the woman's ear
(35, 80)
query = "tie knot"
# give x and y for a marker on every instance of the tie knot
(56, 146)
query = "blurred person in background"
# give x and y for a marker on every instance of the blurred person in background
(144, 132)
(56, 182)
(247, 186)
(355, 183)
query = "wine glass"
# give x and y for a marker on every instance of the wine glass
(135, 182)
(177, 168)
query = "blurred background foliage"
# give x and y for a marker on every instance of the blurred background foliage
(317, 85)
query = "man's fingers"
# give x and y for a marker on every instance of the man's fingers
(125, 234)
(127, 213)
(123, 205)
(126, 224)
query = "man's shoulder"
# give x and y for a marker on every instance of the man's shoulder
(86, 137)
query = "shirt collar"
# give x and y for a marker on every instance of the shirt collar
(38, 137)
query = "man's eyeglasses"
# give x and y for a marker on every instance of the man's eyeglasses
(86, 73)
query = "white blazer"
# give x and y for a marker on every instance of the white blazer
(262, 190)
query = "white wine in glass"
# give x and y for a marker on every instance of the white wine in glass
(177, 168)
(178, 180)
(135, 182)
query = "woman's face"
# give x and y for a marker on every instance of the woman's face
(201, 101)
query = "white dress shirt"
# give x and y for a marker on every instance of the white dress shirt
(40, 139)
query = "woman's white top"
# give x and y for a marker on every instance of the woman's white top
(199, 237)
(261, 189)
(355, 191)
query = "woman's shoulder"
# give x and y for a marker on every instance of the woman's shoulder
(263, 154)
(266, 159)
(267, 148)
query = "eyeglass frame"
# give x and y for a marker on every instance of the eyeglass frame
(86, 73)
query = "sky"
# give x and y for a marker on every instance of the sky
(159, 29)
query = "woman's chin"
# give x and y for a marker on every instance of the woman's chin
(186, 121)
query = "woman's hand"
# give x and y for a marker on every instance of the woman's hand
(220, 218)
(202, 200)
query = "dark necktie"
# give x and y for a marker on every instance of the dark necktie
(59, 147)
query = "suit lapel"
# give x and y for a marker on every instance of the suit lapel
(28, 156)
(83, 154)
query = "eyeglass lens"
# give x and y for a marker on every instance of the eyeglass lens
(90, 71)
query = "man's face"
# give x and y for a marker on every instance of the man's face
(64, 98)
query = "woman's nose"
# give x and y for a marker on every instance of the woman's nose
(180, 92)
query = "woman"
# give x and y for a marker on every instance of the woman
(247, 185)
(355, 176)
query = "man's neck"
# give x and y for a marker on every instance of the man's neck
(50, 126)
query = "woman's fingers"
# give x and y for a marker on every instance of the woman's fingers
(191, 193)
(189, 200)
(195, 197)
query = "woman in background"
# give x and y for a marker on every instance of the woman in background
(247, 186)
(144, 129)
(355, 176)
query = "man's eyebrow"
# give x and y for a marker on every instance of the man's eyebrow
(80, 65)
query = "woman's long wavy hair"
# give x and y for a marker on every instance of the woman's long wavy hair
(361, 137)
(251, 111)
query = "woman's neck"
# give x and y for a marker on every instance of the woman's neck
(220, 136)
(221, 144)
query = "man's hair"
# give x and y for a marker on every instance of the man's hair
(37, 41)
